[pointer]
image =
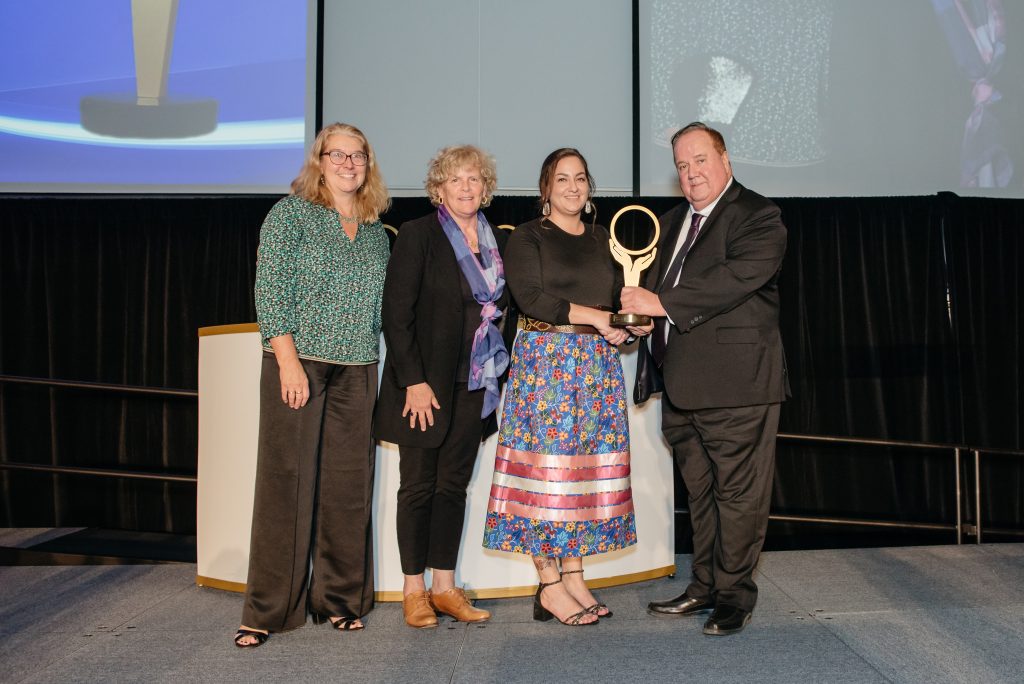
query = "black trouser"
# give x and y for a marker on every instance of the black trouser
(727, 459)
(432, 493)
(314, 484)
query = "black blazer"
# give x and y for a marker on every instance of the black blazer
(725, 349)
(422, 321)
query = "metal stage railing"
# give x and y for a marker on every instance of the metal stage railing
(104, 386)
(959, 527)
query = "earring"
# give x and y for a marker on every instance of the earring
(440, 201)
(589, 208)
(321, 179)
(546, 209)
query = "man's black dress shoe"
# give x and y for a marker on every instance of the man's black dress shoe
(680, 605)
(726, 620)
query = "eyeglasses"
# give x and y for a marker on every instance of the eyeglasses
(338, 157)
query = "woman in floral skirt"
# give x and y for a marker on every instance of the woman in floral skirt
(561, 487)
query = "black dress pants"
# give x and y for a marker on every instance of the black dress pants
(432, 491)
(314, 483)
(726, 457)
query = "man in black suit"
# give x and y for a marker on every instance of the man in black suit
(713, 291)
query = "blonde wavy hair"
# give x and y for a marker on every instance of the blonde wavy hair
(372, 198)
(447, 162)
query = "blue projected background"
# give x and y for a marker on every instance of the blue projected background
(250, 57)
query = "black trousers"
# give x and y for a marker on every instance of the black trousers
(432, 491)
(727, 459)
(314, 484)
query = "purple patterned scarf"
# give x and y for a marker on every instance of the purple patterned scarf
(488, 358)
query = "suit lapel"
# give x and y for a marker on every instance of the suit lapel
(709, 223)
(446, 256)
(676, 218)
(669, 242)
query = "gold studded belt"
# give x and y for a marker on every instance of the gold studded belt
(533, 325)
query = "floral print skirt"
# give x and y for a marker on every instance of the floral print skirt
(561, 473)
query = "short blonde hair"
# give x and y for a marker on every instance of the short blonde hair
(449, 160)
(372, 198)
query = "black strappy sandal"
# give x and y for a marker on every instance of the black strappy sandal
(596, 608)
(342, 623)
(261, 638)
(542, 614)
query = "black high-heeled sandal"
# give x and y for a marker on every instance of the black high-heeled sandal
(542, 614)
(343, 623)
(261, 638)
(594, 609)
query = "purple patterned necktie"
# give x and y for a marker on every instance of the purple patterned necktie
(659, 341)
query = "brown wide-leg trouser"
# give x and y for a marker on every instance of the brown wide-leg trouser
(314, 482)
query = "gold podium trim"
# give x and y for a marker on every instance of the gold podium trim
(229, 329)
(506, 592)
(238, 587)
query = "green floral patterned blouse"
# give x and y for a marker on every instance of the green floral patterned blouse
(315, 283)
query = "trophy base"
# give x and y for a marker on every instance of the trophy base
(622, 320)
(121, 116)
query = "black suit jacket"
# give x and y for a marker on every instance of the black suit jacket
(725, 349)
(423, 321)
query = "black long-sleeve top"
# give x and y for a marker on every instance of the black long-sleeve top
(547, 268)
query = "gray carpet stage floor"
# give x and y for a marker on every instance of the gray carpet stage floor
(914, 614)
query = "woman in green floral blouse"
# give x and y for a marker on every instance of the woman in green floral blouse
(319, 278)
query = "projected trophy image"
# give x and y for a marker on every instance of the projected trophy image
(757, 70)
(150, 112)
(710, 88)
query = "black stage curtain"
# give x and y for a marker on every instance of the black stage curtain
(985, 247)
(112, 290)
(868, 340)
(901, 319)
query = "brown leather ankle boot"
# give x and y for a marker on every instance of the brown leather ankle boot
(454, 602)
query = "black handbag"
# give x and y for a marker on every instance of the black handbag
(648, 376)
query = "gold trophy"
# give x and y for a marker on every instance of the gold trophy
(632, 269)
(150, 112)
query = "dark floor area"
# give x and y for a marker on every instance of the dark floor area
(93, 546)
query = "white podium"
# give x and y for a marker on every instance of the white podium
(229, 370)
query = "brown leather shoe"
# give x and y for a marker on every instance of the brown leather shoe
(454, 602)
(418, 611)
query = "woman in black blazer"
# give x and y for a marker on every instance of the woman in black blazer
(444, 299)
